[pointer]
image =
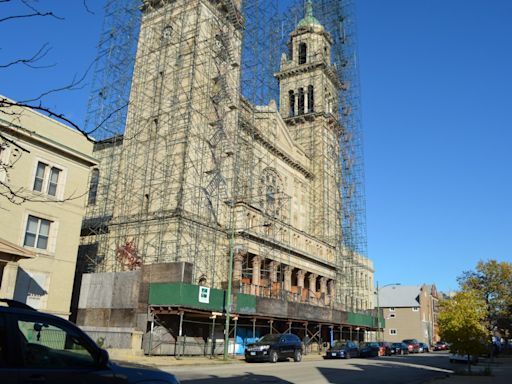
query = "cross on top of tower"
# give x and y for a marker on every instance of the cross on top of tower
(309, 20)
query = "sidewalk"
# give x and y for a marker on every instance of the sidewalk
(501, 373)
(171, 361)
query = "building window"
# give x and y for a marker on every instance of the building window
(391, 309)
(392, 315)
(37, 233)
(291, 96)
(39, 178)
(303, 49)
(167, 32)
(415, 309)
(93, 187)
(53, 181)
(270, 191)
(301, 101)
(393, 331)
(311, 99)
(46, 179)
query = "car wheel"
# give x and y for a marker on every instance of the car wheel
(273, 357)
(297, 356)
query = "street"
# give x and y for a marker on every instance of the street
(386, 370)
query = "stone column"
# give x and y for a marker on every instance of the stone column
(273, 271)
(331, 286)
(287, 282)
(237, 267)
(312, 286)
(300, 278)
(323, 285)
(256, 274)
(10, 271)
(312, 282)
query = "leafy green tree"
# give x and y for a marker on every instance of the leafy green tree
(462, 323)
(492, 281)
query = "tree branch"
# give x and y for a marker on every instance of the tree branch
(29, 62)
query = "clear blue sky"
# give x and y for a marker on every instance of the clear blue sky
(437, 120)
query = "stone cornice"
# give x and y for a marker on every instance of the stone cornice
(329, 70)
(247, 126)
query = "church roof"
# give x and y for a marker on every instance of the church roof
(309, 20)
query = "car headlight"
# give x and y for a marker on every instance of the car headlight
(264, 347)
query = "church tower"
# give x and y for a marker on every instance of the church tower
(309, 87)
(175, 169)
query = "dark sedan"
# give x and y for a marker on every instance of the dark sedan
(342, 350)
(399, 349)
(369, 349)
(275, 347)
(424, 348)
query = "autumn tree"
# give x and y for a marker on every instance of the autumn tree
(492, 282)
(462, 323)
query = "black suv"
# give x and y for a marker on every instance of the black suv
(275, 347)
(39, 347)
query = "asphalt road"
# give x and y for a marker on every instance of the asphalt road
(412, 369)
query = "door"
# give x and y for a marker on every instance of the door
(53, 351)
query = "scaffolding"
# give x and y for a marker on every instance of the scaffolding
(189, 143)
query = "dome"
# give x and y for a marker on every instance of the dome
(309, 20)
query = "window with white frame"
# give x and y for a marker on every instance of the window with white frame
(391, 309)
(393, 331)
(37, 232)
(415, 309)
(47, 179)
(392, 315)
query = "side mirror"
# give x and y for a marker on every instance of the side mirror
(103, 358)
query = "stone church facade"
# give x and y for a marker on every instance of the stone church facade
(201, 172)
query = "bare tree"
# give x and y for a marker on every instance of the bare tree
(23, 12)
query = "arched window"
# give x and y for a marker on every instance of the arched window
(303, 50)
(93, 186)
(290, 50)
(301, 101)
(270, 192)
(291, 98)
(311, 99)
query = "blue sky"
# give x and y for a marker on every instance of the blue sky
(437, 114)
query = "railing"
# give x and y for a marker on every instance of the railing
(301, 295)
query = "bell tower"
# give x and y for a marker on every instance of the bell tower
(309, 93)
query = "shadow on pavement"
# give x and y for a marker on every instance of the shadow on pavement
(246, 378)
(383, 373)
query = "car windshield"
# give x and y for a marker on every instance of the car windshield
(396, 344)
(339, 344)
(409, 341)
(269, 338)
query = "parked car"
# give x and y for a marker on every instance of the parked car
(424, 348)
(342, 350)
(454, 358)
(385, 348)
(39, 347)
(370, 349)
(399, 349)
(441, 346)
(413, 345)
(274, 347)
